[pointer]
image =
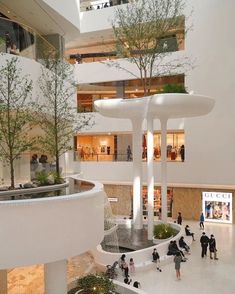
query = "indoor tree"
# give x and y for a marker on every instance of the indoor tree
(55, 108)
(141, 30)
(15, 98)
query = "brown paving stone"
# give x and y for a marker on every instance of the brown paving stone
(30, 280)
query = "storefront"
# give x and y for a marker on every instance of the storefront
(217, 206)
(121, 200)
(113, 147)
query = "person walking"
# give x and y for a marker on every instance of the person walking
(182, 153)
(202, 219)
(129, 153)
(179, 219)
(177, 261)
(212, 247)
(204, 240)
(156, 259)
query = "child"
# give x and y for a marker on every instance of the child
(132, 266)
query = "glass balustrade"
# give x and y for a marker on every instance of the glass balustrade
(21, 40)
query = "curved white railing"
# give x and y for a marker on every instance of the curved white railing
(48, 229)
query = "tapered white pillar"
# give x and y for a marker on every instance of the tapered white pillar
(3, 281)
(164, 169)
(55, 277)
(150, 179)
(137, 174)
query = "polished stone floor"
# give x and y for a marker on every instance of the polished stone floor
(199, 276)
(127, 239)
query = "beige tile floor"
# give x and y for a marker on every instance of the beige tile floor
(199, 276)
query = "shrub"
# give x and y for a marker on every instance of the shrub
(48, 178)
(173, 88)
(42, 178)
(94, 284)
(164, 231)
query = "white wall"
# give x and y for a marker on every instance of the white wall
(209, 140)
(70, 12)
(50, 229)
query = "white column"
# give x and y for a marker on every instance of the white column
(150, 176)
(164, 169)
(3, 281)
(137, 174)
(55, 277)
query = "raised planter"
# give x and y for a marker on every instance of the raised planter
(159, 241)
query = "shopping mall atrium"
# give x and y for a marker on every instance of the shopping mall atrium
(143, 136)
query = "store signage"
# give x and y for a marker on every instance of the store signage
(217, 206)
(113, 199)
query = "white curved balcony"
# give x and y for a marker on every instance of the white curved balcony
(45, 230)
(158, 105)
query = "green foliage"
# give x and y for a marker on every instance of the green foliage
(48, 178)
(163, 231)
(140, 28)
(15, 123)
(56, 113)
(42, 178)
(96, 284)
(173, 88)
(57, 177)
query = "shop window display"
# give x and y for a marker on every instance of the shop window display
(157, 201)
(217, 206)
(107, 148)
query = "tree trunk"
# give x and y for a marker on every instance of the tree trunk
(57, 165)
(12, 174)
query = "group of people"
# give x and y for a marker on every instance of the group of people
(128, 268)
(205, 241)
(176, 250)
(35, 160)
(106, 4)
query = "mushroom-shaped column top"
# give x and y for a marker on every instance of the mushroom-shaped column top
(158, 106)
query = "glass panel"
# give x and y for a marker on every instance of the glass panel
(18, 39)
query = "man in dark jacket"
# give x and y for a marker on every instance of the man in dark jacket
(156, 259)
(179, 219)
(204, 240)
